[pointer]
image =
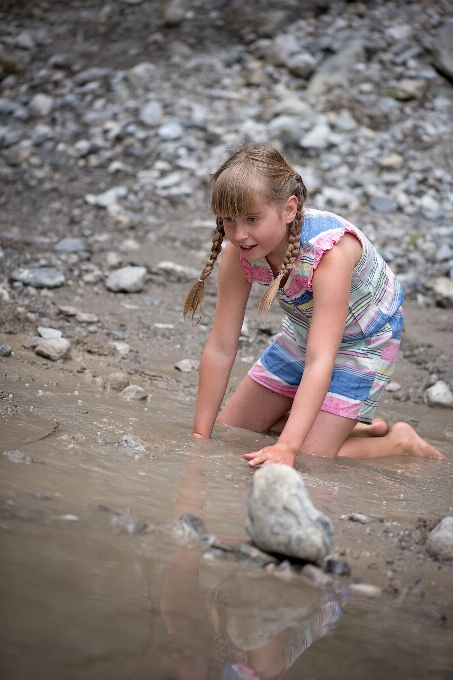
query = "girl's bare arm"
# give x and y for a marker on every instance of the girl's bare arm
(220, 351)
(331, 290)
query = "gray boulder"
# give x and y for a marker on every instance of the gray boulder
(302, 64)
(41, 104)
(440, 540)
(335, 70)
(39, 277)
(282, 519)
(128, 279)
(443, 49)
(151, 114)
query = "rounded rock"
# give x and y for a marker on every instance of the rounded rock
(134, 393)
(53, 348)
(117, 381)
(127, 279)
(5, 351)
(282, 519)
(440, 540)
(439, 394)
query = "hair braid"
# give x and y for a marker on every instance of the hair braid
(194, 298)
(292, 251)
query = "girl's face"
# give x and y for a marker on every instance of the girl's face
(263, 232)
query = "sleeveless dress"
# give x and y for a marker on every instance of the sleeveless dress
(372, 335)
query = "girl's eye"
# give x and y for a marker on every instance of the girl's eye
(228, 219)
(253, 219)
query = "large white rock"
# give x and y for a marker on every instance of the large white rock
(281, 517)
(127, 279)
(439, 394)
(318, 137)
(108, 197)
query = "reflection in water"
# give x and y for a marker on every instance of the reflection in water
(251, 626)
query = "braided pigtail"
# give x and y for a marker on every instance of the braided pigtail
(294, 229)
(194, 298)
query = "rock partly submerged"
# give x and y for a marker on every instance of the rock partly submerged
(282, 519)
(439, 543)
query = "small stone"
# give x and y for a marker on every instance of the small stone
(393, 161)
(281, 517)
(117, 381)
(5, 351)
(187, 365)
(53, 348)
(68, 518)
(315, 576)
(132, 525)
(336, 70)
(81, 148)
(129, 245)
(39, 277)
(16, 456)
(442, 286)
(302, 64)
(48, 333)
(70, 245)
(317, 138)
(248, 554)
(443, 50)
(335, 565)
(41, 104)
(151, 114)
(107, 198)
(129, 441)
(190, 531)
(409, 88)
(173, 15)
(121, 347)
(134, 393)
(68, 310)
(383, 204)
(358, 517)
(86, 317)
(25, 41)
(365, 589)
(127, 279)
(344, 122)
(177, 271)
(392, 386)
(439, 395)
(170, 131)
(440, 540)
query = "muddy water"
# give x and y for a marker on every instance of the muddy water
(93, 585)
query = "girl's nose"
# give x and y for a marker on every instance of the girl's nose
(241, 232)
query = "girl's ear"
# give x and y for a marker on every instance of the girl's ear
(290, 209)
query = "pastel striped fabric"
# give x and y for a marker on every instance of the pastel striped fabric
(370, 343)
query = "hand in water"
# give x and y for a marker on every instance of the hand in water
(278, 453)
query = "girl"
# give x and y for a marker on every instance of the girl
(320, 381)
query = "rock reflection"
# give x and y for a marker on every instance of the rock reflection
(252, 625)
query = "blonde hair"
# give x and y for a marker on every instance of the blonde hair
(254, 170)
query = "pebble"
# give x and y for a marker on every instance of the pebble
(16, 456)
(178, 272)
(443, 50)
(107, 198)
(129, 524)
(47, 333)
(41, 104)
(187, 365)
(439, 394)
(443, 290)
(117, 381)
(134, 393)
(127, 279)
(365, 589)
(86, 317)
(151, 114)
(358, 517)
(5, 351)
(70, 245)
(336, 70)
(392, 386)
(439, 543)
(129, 441)
(39, 277)
(383, 204)
(281, 517)
(53, 348)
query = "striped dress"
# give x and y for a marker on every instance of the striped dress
(370, 343)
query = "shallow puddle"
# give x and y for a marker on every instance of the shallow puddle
(93, 585)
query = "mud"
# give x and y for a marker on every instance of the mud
(92, 582)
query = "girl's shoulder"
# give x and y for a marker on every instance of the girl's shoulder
(321, 227)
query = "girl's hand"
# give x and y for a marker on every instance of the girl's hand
(278, 453)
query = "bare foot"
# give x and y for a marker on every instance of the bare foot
(407, 443)
(378, 428)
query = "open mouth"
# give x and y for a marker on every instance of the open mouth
(247, 249)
